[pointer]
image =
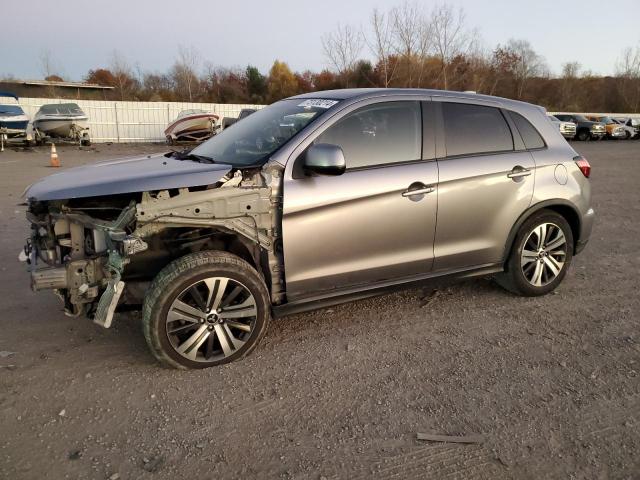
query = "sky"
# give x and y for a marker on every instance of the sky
(234, 33)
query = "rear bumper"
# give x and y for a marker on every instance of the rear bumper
(586, 226)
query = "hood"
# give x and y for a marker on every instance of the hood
(153, 172)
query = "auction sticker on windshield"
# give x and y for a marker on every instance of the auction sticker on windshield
(318, 102)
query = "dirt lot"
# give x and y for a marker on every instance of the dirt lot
(553, 383)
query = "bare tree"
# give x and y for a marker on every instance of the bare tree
(342, 48)
(529, 63)
(571, 69)
(479, 58)
(48, 67)
(125, 82)
(381, 44)
(408, 27)
(628, 71)
(570, 72)
(450, 38)
(185, 70)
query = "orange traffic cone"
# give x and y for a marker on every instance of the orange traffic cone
(55, 161)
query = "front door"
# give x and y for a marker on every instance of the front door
(365, 225)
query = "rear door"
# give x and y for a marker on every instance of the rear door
(364, 226)
(486, 181)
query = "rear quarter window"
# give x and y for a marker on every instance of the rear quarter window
(475, 129)
(530, 136)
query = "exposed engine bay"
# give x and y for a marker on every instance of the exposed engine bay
(98, 252)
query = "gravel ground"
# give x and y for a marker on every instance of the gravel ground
(552, 384)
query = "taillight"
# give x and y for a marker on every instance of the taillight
(583, 165)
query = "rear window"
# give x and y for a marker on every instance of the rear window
(528, 132)
(473, 129)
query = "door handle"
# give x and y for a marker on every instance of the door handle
(519, 172)
(418, 191)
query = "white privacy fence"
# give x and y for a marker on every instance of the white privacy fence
(124, 122)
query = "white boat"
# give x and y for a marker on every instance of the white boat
(192, 126)
(61, 120)
(13, 121)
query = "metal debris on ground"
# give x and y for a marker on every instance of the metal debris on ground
(429, 297)
(450, 438)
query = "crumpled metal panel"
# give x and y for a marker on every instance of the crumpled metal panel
(154, 172)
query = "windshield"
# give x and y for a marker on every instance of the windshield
(61, 109)
(605, 120)
(11, 109)
(186, 113)
(582, 118)
(253, 139)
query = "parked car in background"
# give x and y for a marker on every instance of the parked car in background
(567, 129)
(613, 129)
(244, 113)
(343, 194)
(631, 130)
(586, 129)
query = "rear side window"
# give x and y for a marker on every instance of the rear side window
(471, 129)
(528, 132)
(378, 134)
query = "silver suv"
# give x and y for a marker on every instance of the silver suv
(314, 200)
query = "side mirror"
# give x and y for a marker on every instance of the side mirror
(324, 159)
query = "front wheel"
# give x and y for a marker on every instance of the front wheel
(205, 309)
(540, 256)
(584, 135)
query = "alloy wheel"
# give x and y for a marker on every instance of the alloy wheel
(543, 255)
(211, 319)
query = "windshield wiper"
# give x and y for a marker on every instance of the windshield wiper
(191, 156)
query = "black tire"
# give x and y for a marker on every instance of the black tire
(514, 279)
(178, 277)
(627, 135)
(169, 140)
(583, 135)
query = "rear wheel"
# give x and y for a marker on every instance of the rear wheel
(540, 256)
(205, 309)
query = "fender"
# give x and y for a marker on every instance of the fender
(535, 208)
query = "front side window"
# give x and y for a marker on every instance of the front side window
(475, 129)
(378, 134)
(253, 140)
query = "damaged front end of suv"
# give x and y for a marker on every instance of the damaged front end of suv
(98, 244)
(193, 238)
